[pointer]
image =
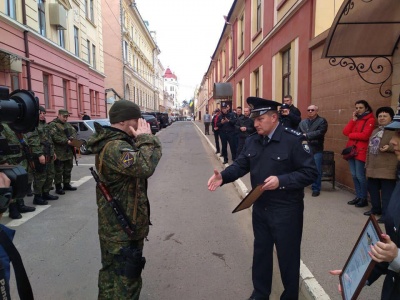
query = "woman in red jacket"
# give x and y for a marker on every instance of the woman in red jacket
(358, 130)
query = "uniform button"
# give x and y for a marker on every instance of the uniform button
(279, 157)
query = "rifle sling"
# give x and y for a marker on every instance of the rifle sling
(99, 167)
(23, 284)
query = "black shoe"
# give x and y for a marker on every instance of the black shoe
(362, 203)
(68, 187)
(48, 196)
(354, 201)
(381, 220)
(13, 212)
(22, 208)
(370, 212)
(38, 200)
(59, 189)
(315, 193)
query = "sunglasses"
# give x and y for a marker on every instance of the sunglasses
(310, 109)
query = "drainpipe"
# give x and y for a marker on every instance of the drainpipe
(26, 42)
(122, 48)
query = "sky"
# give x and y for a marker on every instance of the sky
(187, 34)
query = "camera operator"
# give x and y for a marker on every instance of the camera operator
(287, 118)
(17, 206)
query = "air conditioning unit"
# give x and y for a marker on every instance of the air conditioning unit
(9, 63)
(58, 15)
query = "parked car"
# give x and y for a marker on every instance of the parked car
(154, 124)
(85, 129)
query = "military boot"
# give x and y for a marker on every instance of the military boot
(29, 192)
(38, 200)
(68, 187)
(48, 196)
(22, 208)
(59, 189)
(13, 212)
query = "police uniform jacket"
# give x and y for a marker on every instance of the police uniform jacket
(286, 156)
(391, 285)
(227, 126)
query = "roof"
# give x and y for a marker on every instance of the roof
(168, 74)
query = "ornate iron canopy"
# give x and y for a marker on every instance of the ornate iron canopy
(365, 28)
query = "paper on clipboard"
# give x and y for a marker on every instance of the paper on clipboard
(249, 199)
(76, 143)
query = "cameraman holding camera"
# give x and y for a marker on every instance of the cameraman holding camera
(17, 206)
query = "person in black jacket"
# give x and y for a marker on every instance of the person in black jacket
(387, 253)
(314, 129)
(281, 164)
(244, 126)
(294, 113)
(226, 128)
(215, 129)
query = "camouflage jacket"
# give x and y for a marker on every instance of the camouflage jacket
(12, 139)
(124, 167)
(42, 135)
(59, 132)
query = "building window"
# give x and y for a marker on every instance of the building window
(11, 9)
(88, 50)
(14, 82)
(80, 98)
(91, 11)
(256, 77)
(240, 94)
(42, 17)
(241, 34)
(258, 15)
(65, 93)
(76, 40)
(94, 55)
(87, 9)
(286, 72)
(91, 100)
(61, 39)
(125, 51)
(231, 53)
(46, 90)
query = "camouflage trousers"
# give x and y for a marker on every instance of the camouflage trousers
(63, 169)
(113, 285)
(42, 181)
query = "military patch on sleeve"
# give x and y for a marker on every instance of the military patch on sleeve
(305, 146)
(127, 159)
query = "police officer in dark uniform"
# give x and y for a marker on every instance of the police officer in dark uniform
(226, 127)
(280, 161)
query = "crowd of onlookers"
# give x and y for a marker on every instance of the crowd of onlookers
(373, 165)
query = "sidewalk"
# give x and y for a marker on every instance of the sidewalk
(331, 228)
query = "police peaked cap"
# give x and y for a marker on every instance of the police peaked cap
(395, 125)
(260, 106)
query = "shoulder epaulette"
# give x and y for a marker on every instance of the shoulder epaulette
(292, 131)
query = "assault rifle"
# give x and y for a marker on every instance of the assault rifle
(122, 218)
(71, 147)
(27, 151)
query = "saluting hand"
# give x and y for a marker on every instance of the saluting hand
(142, 128)
(271, 183)
(214, 181)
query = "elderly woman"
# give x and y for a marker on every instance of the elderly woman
(386, 253)
(381, 165)
(358, 130)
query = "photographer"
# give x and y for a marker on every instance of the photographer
(17, 206)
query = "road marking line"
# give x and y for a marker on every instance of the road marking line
(84, 165)
(27, 216)
(81, 181)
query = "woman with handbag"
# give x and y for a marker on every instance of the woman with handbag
(358, 130)
(381, 164)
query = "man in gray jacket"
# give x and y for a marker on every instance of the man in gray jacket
(314, 129)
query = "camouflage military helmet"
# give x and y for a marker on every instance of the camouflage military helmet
(41, 108)
(124, 110)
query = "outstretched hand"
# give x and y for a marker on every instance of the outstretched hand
(143, 128)
(214, 181)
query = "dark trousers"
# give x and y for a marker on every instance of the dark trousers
(282, 227)
(240, 145)
(207, 128)
(216, 137)
(227, 138)
(380, 189)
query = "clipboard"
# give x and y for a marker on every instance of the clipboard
(249, 199)
(76, 143)
(359, 264)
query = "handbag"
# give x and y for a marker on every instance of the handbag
(349, 152)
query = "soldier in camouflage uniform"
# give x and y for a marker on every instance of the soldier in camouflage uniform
(44, 171)
(126, 156)
(62, 132)
(17, 206)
